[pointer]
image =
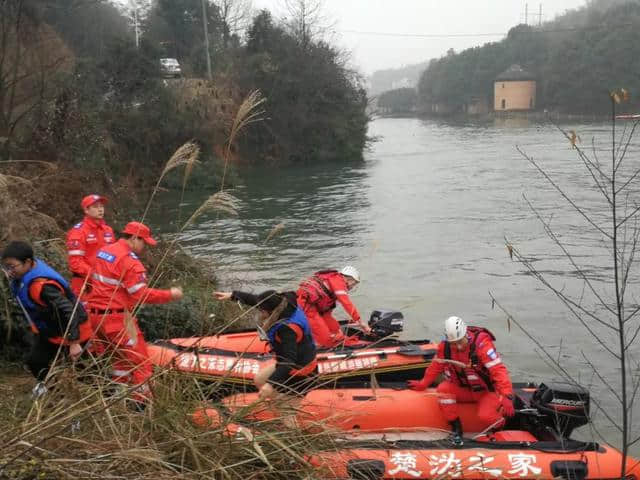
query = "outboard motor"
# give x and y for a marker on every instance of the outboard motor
(386, 322)
(564, 406)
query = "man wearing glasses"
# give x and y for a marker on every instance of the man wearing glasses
(53, 312)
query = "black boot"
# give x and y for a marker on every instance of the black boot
(456, 433)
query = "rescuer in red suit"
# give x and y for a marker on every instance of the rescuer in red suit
(119, 286)
(484, 378)
(85, 239)
(317, 297)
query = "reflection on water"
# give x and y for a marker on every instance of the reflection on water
(425, 220)
(319, 210)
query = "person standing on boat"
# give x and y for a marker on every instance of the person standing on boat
(473, 372)
(119, 282)
(287, 331)
(85, 239)
(317, 297)
(55, 316)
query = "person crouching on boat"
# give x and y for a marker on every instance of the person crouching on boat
(317, 297)
(288, 333)
(473, 372)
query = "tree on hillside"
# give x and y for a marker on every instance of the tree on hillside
(573, 58)
(178, 26)
(315, 105)
(31, 56)
(400, 100)
(305, 20)
(86, 26)
(235, 16)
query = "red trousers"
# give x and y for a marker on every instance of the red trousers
(324, 328)
(131, 364)
(489, 405)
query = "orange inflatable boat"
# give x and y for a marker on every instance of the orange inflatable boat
(507, 454)
(359, 406)
(393, 433)
(237, 357)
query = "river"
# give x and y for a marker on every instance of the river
(424, 218)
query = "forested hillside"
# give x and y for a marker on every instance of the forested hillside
(391, 78)
(576, 59)
(76, 88)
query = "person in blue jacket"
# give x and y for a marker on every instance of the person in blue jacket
(288, 333)
(56, 318)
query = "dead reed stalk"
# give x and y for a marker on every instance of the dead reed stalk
(187, 155)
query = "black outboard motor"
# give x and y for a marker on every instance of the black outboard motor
(386, 322)
(563, 405)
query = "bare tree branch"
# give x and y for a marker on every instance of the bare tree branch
(628, 217)
(626, 146)
(602, 379)
(568, 255)
(590, 166)
(564, 195)
(629, 263)
(565, 373)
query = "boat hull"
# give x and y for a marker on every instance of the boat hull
(475, 460)
(362, 409)
(237, 358)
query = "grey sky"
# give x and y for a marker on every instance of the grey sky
(426, 17)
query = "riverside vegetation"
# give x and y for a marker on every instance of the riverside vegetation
(572, 58)
(83, 110)
(82, 427)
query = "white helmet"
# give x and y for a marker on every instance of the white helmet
(352, 272)
(454, 329)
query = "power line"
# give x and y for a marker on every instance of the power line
(502, 34)
(425, 35)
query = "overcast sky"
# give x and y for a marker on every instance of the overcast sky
(424, 17)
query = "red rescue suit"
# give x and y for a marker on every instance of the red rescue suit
(83, 242)
(119, 284)
(485, 380)
(317, 297)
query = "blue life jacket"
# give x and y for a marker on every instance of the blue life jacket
(20, 289)
(298, 318)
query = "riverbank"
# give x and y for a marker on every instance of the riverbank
(39, 202)
(501, 116)
(81, 429)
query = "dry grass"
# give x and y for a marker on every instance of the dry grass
(222, 202)
(187, 155)
(249, 112)
(83, 428)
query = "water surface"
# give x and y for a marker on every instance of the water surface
(425, 219)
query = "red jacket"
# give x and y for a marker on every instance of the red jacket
(323, 290)
(119, 281)
(486, 372)
(83, 242)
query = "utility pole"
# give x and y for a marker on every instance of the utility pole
(133, 5)
(135, 21)
(526, 14)
(206, 38)
(540, 16)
